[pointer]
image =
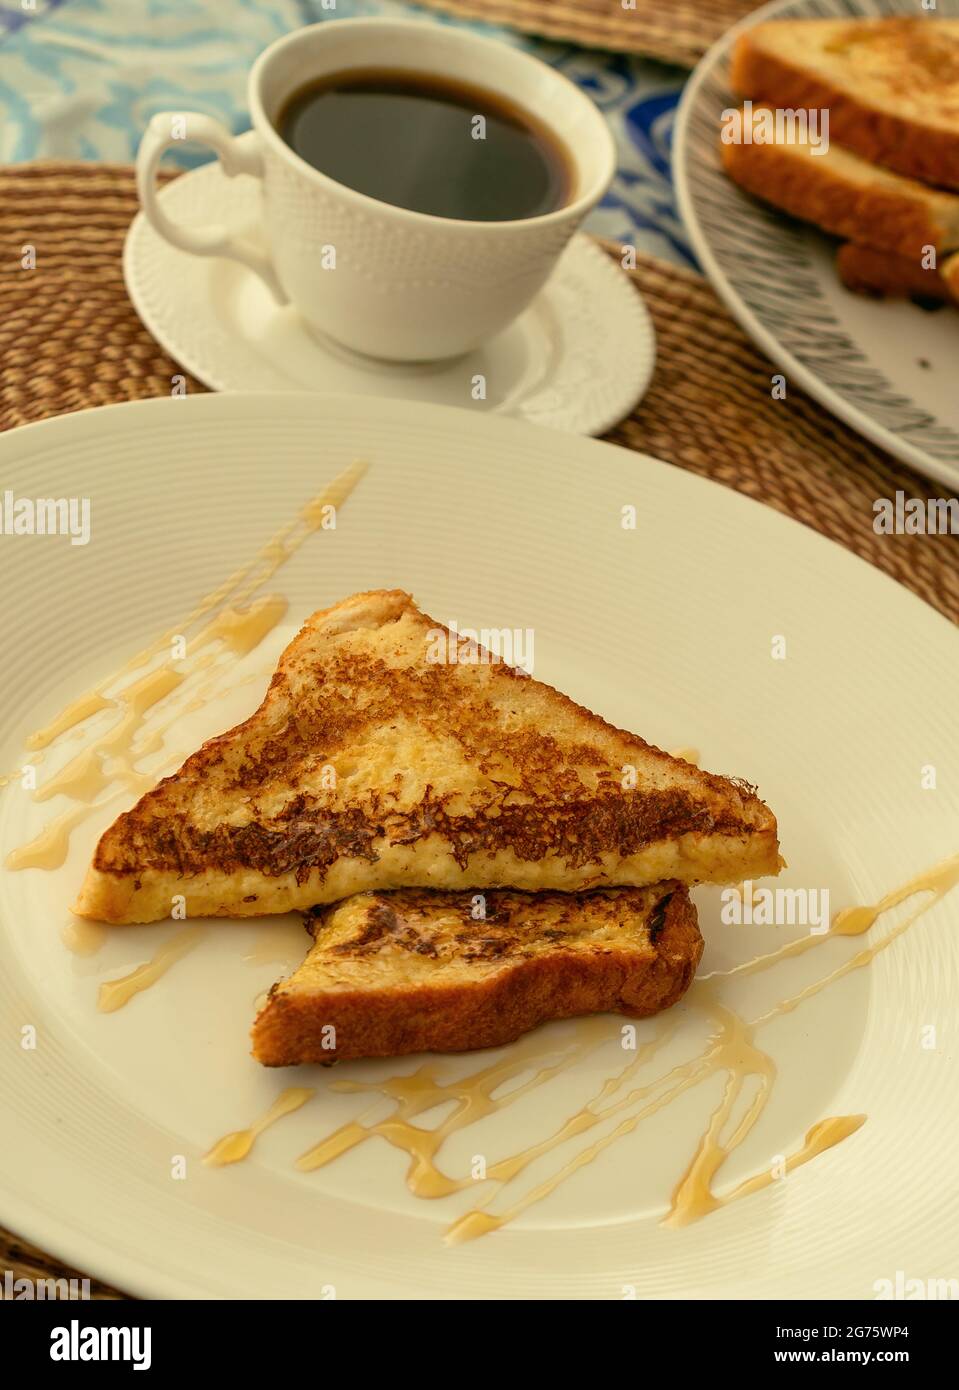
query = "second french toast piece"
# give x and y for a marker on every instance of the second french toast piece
(415, 971)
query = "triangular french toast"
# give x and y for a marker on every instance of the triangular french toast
(416, 971)
(371, 764)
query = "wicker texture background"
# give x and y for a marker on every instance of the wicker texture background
(677, 31)
(70, 339)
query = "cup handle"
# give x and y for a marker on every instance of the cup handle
(234, 159)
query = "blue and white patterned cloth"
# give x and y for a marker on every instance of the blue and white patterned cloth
(80, 79)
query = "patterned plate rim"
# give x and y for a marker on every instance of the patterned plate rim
(925, 444)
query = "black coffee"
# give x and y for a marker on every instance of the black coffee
(418, 142)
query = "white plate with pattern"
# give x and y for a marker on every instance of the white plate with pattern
(578, 359)
(888, 369)
(826, 684)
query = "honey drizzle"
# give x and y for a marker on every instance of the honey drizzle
(77, 712)
(16, 774)
(82, 937)
(474, 1097)
(819, 1138)
(84, 777)
(234, 1147)
(731, 1049)
(109, 761)
(241, 585)
(48, 849)
(113, 994)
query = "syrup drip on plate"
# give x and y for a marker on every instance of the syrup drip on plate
(234, 1147)
(731, 1050)
(114, 994)
(83, 937)
(233, 621)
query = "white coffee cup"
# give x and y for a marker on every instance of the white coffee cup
(400, 285)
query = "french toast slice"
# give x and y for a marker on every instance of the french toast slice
(415, 971)
(841, 192)
(891, 85)
(372, 763)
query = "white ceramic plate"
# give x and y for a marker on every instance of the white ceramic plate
(578, 359)
(887, 368)
(665, 629)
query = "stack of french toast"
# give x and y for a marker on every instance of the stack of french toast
(886, 180)
(473, 853)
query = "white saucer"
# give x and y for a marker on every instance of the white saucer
(578, 359)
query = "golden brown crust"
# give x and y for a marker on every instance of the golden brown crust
(485, 986)
(863, 121)
(865, 270)
(446, 774)
(818, 189)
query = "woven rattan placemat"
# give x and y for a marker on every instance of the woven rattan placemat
(677, 31)
(69, 339)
